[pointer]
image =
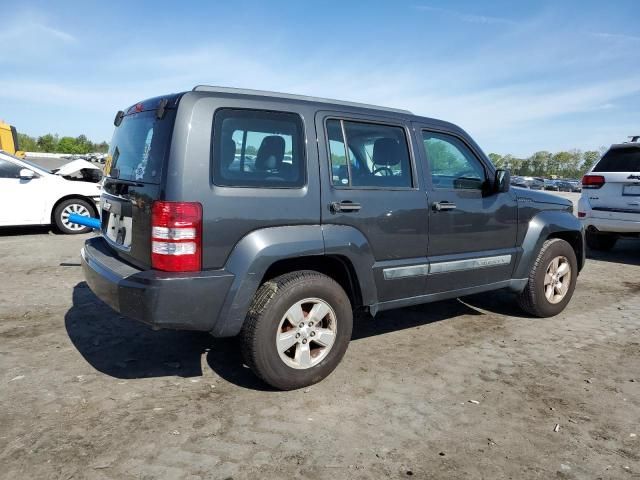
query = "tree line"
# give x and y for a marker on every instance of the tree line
(565, 164)
(572, 164)
(54, 144)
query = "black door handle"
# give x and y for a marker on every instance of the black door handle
(344, 207)
(440, 206)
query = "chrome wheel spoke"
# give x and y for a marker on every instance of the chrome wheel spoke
(324, 337)
(563, 269)
(548, 278)
(549, 290)
(286, 340)
(295, 315)
(318, 312)
(303, 355)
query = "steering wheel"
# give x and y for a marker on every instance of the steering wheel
(387, 170)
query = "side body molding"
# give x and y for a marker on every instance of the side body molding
(540, 227)
(249, 261)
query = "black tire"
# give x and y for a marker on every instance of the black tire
(270, 304)
(601, 241)
(532, 299)
(59, 215)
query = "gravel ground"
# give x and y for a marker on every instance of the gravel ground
(466, 388)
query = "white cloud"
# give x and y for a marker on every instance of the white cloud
(466, 17)
(616, 36)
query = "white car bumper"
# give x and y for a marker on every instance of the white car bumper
(605, 221)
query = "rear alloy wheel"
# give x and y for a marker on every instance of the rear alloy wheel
(297, 329)
(601, 241)
(552, 280)
(68, 207)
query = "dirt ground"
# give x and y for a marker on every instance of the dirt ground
(465, 388)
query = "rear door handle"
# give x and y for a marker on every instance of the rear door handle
(344, 207)
(440, 206)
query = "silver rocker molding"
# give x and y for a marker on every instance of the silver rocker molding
(445, 267)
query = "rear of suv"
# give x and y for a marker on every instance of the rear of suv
(609, 206)
(275, 217)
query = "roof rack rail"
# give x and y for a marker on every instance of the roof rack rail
(633, 138)
(265, 93)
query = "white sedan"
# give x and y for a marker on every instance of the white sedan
(33, 195)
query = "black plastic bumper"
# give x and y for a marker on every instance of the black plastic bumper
(183, 301)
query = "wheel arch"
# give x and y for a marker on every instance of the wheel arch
(544, 226)
(343, 255)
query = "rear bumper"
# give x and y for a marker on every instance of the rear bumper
(608, 221)
(184, 301)
(610, 225)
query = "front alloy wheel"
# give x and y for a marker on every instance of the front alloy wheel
(552, 279)
(557, 279)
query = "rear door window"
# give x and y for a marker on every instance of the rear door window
(620, 160)
(377, 155)
(140, 146)
(254, 148)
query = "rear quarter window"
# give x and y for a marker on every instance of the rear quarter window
(255, 148)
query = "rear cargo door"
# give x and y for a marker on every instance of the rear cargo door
(133, 180)
(619, 196)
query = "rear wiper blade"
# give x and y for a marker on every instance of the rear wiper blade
(125, 182)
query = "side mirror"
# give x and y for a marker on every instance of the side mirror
(26, 174)
(502, 181)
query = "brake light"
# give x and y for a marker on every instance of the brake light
(592, 181)
(176, 236)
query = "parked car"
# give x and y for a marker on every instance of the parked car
(609, 206)
(576, 185)
(535, 183)
(376, 209)
(520, 182)
(33, 195)
(550, 185)
(564, 186)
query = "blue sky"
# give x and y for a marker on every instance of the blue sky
(518, 76)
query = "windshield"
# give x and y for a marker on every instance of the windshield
(140, 145)
(35, 166)
(620, 160)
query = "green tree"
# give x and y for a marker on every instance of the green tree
(589, 158)
(48, 143)
(497, 160)
(539, 162)
(68, 145)
(27, 143)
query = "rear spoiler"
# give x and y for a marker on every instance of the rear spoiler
(159, 104)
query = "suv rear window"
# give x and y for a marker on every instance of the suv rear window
(140, 145)
(620, 160)
(254, 148)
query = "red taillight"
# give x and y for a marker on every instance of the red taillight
(581, 214)
(592, 181)
(176, 236)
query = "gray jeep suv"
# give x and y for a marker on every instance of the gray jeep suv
(275, 217)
